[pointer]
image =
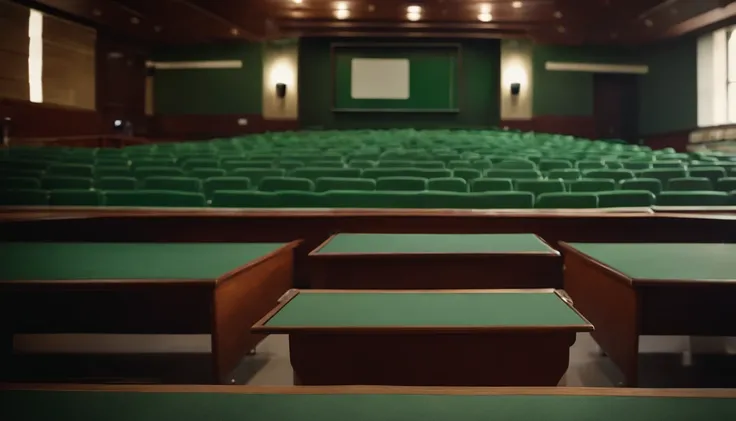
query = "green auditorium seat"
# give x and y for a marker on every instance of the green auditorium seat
(668, 164)
(564, 174)
(711, 173)
(587, 185)
(449, 184)
(142, 173)
(9, 183)
(362, 164)
(112, 162)
(24, 197)
(625, 199)
(515, 164)
(395, 164)
(467, 174)
(663, 174)
(567, 201)
(338, 183)
(263, 156)
(257, 174)
(692, 198)
(429, 164)
(326, 164)
(184, 184)
(70, 170)
(401, 184)
(459, 164)
(26, 164)
(546, 165)
(649, 184)
(376, 173)
(301, 199)
(19, 172)
(636, 165)
(289, 164)
(205, 173)
(538, 187)
(613, 164)
(481, 164)
(136, 163)
(275, 184)
(513, 174)
(78, 159)
(447, 157)
(726, 184)
(113, 171)
(313, 173)
(200, 163)
(445, 200)
(61, 182)
(365, 156)
(587, 165)
(689, 184)
(234, 165)
(211, 185)
(615, 175)
(116, 183)
(75, 198)
(480, 185)
(372, 199)
(502, 200)
(154, 198)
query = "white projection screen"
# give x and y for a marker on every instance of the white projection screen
(379, 78)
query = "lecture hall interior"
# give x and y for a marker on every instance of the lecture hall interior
(281, 210)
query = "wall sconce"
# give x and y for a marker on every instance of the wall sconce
(281, 90)
(515, 88)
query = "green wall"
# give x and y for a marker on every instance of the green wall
(210, 91)
(478, 102)
(668, 94)
(570, 93)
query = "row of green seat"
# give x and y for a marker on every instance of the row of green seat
(365, 199)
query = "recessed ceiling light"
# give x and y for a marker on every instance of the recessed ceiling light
(558, 14)
(371, 7)
(485, 17)
(414, 9)
(485, 8)
(341, 5)
(413, 16)
(516, 5)
(561, 29)
(342, 13)
(235, 32)
(134, 20)
(648, 23)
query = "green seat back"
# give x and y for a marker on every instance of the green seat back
(75, 198)
(711, 173)
(516, 164)
(326, 164)
(257, 174)
(564, 174)
(376, 173)
(62, 182)
(546, 165)
(361, 164)
(458, 164)
(689, 184)
(136, 163)
(401, 184)
(142, 173)
(625, 199)
(449, 184)
(480, 185)
(567, 201)
(663, 174)
(289, 164)
(301, 199)
(313, 173)
(113, 171)
(244, 199)
(502, 200)
(692, 198)
(200, 163)
(10, 183)
(726, 184)
(70, 170)
(112, 162)
(587, 185)
(676, 164)
(24, 197)
(513, 174)
(538, 187)
(482, 165)
(467, 174)
(636, 165)
(154, 198)
(335, 183)
(116, 183)
(211, 185)
(184, 184)
(274, 184)
(586, 165)
(205, 173)
(649, 184)
(429, 164)
(371, 199)
(615, 175)
(395, 164)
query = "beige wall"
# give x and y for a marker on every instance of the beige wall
(280, 65)
(516, 66)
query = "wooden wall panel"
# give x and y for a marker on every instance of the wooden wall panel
(45, 120)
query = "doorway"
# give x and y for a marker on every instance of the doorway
(616, 106)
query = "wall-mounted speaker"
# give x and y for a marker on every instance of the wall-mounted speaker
(515, 88)
(281, 90)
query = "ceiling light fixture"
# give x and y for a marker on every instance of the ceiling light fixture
(342, 14)
(485, 17)
(485, 8)
(414, 9)
(235, 32)
(516, 5)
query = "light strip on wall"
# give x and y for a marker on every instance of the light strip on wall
(597, 68)
(35, 56)
(204, 64)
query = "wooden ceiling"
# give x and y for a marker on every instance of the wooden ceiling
(548, 21)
